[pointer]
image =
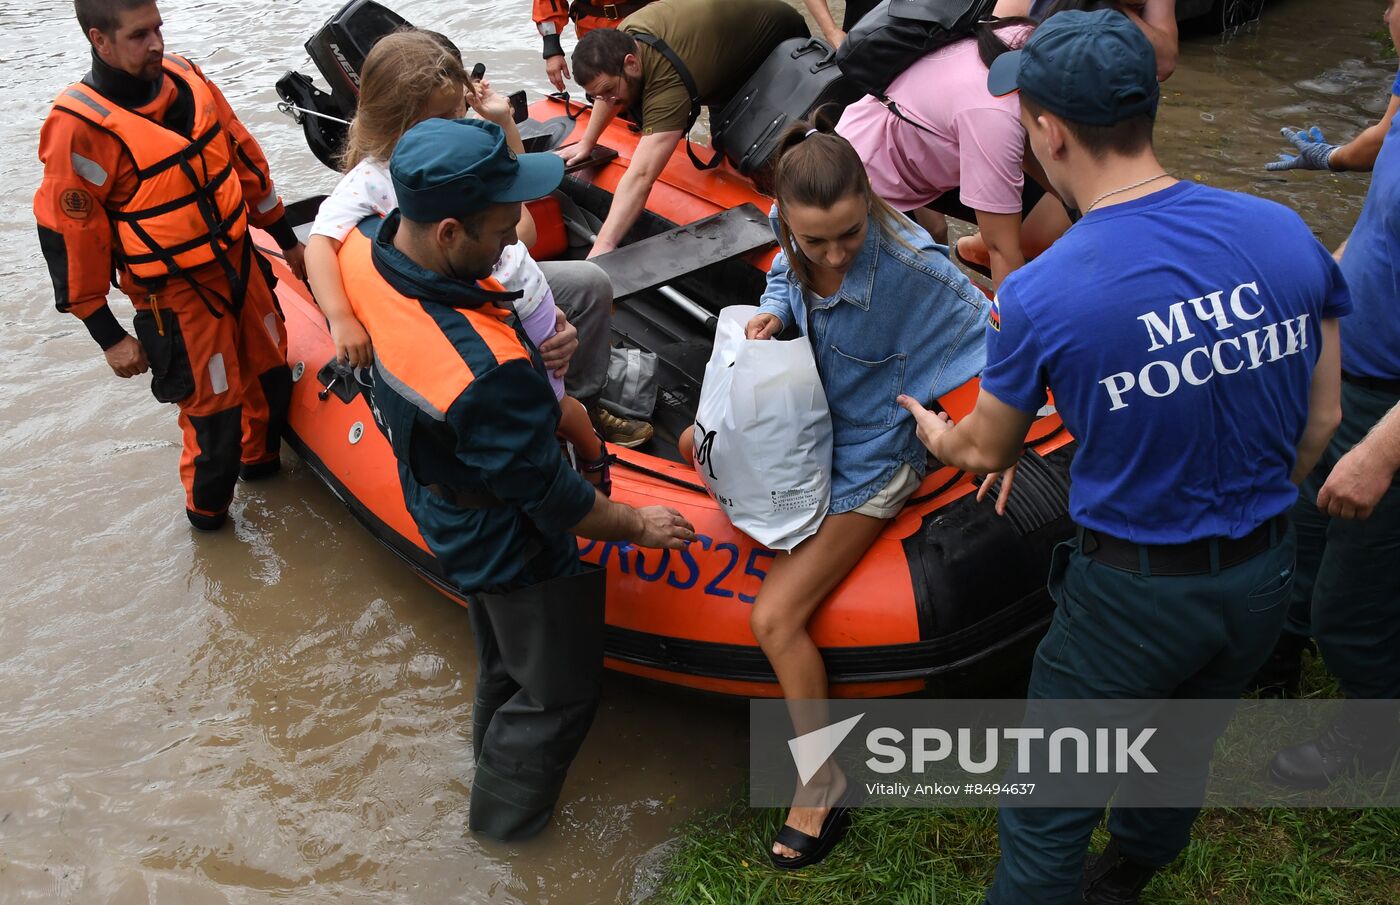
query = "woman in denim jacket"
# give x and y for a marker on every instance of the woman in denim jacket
(887, 313)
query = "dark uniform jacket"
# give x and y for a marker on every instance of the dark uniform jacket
(462, 395)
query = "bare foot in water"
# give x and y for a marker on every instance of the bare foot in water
(808, 819)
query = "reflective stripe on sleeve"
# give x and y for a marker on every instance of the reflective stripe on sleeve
(90, 170)
(269, 201)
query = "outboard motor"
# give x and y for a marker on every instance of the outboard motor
(340, 47)
(339, 51)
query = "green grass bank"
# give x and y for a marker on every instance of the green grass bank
(1305, 856)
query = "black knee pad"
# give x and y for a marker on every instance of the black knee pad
(220, 439)
(277, 390)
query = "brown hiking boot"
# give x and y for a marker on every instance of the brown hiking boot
(622, 432)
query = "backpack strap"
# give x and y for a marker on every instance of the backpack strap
(888, 103)
(688, 80)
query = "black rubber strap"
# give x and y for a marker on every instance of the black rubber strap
(224, 228)
(615, 11)
(283, 234)
(194, 149)
(103, 326)
(205, 190)
(688, 80)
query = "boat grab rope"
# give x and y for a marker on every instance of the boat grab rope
(659, 475)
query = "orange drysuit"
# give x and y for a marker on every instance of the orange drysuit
(152, 187)
(552, 15)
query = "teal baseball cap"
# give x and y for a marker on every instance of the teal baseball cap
(446, 168)
(1095, 68)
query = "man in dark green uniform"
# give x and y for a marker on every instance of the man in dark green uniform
(1189, 336)
(665, 62)
(461, 393)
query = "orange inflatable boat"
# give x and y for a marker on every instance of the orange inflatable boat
(950, 591)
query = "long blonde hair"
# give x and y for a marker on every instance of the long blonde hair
(815, 167)
(401, 73)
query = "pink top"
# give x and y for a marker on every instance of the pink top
(975, 141)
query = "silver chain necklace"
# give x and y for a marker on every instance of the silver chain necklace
(1126, 188)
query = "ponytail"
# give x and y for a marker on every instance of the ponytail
(989, 43)
(816, 167)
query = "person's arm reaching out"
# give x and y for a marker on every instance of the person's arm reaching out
(632, 191)
(989, 439)
(820, 12)
(1359, 154)
(1314, 152)
(505, 421)
(603, 112)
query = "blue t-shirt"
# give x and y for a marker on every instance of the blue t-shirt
(1395, 89)
(1371, 264)
(1178, 333)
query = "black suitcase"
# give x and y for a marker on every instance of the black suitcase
(799, 76)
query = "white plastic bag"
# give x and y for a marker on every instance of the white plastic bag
(763, 433)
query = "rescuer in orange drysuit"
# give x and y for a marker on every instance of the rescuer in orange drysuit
(150, 182)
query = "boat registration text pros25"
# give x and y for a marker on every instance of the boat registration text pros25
(718, 568)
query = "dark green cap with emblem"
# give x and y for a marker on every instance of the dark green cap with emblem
(446, 168)
(1095, 68)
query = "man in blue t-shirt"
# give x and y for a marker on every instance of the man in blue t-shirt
(1283, 672)
(1189, 336)
(1348, 514)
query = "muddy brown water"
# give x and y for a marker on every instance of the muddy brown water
(280, 712)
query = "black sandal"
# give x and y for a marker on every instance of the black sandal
(600, 467)
(811, 849)
(970, 265)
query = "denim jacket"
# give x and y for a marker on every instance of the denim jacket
(904, 321)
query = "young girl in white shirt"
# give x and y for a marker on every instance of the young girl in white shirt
(411, 76)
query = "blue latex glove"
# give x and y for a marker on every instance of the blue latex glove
(1313, 151)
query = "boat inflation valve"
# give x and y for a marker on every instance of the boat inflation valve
(357, 430)
(297, 370)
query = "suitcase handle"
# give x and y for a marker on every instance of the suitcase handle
(816, 45)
